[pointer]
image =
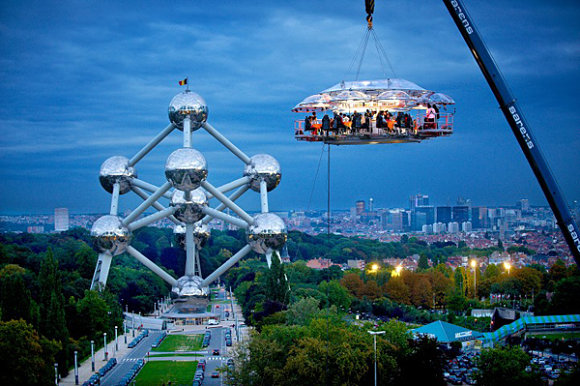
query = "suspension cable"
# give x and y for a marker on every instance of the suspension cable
(315, 178)
(363, 52)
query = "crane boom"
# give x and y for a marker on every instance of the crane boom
(518, 124)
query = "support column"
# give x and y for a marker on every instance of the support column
(101, 271)
(151, 265)
(154, 142)
(115, 199)
(264, 195)
(147, 203)
(226, 142)
(189, 250)
(225, 266)
(187, 132)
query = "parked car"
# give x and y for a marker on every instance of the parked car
(216, 351)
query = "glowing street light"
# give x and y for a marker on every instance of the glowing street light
(507, 266)
(374, 267)
(474, 266)
(397, 271)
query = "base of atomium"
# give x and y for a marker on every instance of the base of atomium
(188, 286)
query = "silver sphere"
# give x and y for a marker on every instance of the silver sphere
(117, 169)
(186, 168)
(189, 286)
(268, 231)
(188, 103)
(110, 235)
(189, 210)
(179, 235)
(263, 166)
(201, 234)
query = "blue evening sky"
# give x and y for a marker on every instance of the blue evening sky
(83, 80)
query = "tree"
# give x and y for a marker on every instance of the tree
(26, 358)
(276, 284)
(353, 283)
(423, 263)
(336, 294)
(456, 301)
(565, 298)
(422, 363)
(397, 290)
(15, 298)
(422, 293)
(94, 313)
(302, 311)
(504, 366)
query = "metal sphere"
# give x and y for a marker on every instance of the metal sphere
(186, 168)
(201, 234)
(179, 235)
(189, 210)
(117, 169)
(263, 166)
(189, 286)
(190, 104)
(268, 231)
(110, 235)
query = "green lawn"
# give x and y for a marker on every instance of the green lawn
(180, 343)
(162, 372)
(153, 354)
(557, 336)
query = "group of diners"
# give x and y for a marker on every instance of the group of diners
(371, 122)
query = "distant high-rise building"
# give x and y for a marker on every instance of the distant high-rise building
(360, 207)
(460, 214)
(371, 207)
(466, 226)
(523, 204)
(427, 229)
(394, 219)
(61, 219)
(418, 219)
(479, 218)
(439, 227)
(453, 227)
(444, 214)
(418, 200)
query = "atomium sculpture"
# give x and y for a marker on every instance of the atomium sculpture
(188, 192)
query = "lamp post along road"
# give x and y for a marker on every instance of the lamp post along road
(76, 369)
(106, 354)
(374, 334)
(92, 355)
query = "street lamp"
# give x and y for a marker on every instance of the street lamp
(374, 267)
(474, 266)
(374, 334)
(76, 369)
(507, 266)
(55, 373)
(105, 346)
(398, 270)
(92, 355)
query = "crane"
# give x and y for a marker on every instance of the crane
(518, 123)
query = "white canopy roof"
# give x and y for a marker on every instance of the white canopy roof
(379, 84)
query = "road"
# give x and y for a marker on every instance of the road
(124, 365)
(218, 341)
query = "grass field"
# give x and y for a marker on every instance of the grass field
(557, 336)
(162, 372)
(153, 354)
(180, 343)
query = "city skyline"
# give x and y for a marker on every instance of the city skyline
(86, 82)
